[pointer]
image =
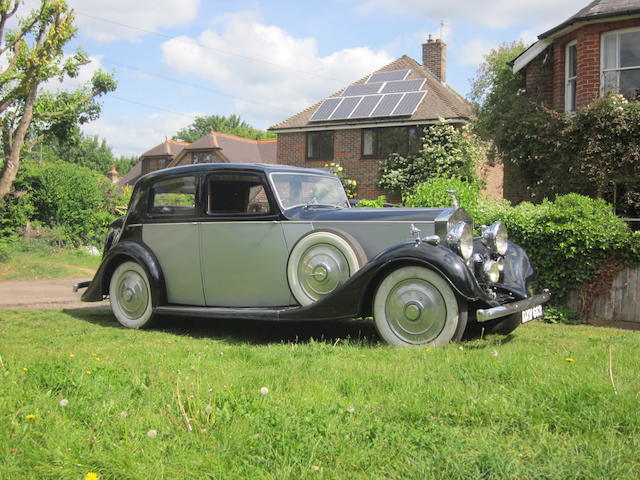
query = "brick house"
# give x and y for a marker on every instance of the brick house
(379, 114)
(594, 52)
(213, 148)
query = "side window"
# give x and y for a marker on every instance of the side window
(174, 196)
(237, 194)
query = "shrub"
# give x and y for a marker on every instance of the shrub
(16, 210)
(377, 203)
(569, 240)
(433, 193)
(446, 151)
(72, 198)
(560, 314)
(348, 184)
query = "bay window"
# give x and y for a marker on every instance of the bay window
(620, 63)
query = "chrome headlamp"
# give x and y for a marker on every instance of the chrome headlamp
(491, 270)
(495, 238)
(460, 239)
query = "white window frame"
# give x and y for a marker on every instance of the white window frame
(617, 69)
(568, 81)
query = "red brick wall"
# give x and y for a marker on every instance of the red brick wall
(588, 74)
(346, 151)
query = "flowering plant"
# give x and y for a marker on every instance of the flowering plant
(348, 184)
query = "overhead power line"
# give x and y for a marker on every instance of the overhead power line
(213, 49)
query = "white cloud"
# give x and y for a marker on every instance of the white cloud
(496, 14)
(472, 53)
(134, 135)
(289, 75)
(101, 19)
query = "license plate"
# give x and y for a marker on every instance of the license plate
(531, 313)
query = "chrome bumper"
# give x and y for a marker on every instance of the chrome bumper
(503, 310)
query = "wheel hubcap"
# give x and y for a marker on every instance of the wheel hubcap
(415, 310)
(321, 270)
(133, 295)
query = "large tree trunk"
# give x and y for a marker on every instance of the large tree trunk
(12, 161)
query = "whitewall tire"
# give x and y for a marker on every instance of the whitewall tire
(130, 295)
(320, 262)
(416, 306)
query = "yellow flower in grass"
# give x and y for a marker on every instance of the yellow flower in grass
(25, 369)
(30, 416)
(91, 476)
(569, 359)
(88, 372)
(72, 355)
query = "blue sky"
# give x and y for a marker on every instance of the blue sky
(267, 60)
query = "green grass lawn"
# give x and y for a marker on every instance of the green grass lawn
(43, 263)
(342, 406)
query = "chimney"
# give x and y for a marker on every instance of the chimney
(113, 174)
(434, 57)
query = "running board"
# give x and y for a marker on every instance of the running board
(225, 313)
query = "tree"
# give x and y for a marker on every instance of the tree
(34, 54)
(232, 124)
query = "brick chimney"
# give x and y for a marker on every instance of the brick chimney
(113, 174)
(434, 57)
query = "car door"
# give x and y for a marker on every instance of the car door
(170, 229)
(243, 250)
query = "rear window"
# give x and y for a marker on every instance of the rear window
(174, 196)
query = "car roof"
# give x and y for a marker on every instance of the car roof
(206, 167)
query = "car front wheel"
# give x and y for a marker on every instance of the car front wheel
(416, 306)
(130, 295)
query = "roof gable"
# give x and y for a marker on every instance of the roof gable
(441, 101)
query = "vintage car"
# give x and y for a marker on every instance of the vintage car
(272, 242)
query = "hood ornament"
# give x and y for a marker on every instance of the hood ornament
(454, 199)
(415, 233)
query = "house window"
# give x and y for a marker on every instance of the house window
(320, 145)
(381, 142)
(620, 64)
(571, 68)
(202, 157)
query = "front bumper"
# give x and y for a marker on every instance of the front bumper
(486, 314)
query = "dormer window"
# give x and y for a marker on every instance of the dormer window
(620, 63)
(571, 70)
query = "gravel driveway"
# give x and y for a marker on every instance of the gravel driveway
(43, 294)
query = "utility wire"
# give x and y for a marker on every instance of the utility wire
(207, 47)
(195, 85)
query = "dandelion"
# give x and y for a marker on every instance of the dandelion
(152, 434)
(264, 390)
(569, 359)
(460, 347)
(494, 353)
(97, 358)
(91, 476)
(88, 372)
(208, 409)
(25, 369)
(30, 416)
(351, 410)
(72, 355)
(63, 403)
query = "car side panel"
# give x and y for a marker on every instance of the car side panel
(244, 264)
(177, 247)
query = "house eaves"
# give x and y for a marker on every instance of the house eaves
(374, 124)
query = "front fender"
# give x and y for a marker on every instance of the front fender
(353, 299)
(127, 251)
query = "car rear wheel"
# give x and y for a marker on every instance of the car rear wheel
(130, 295)
(416, 306)
(320, 262)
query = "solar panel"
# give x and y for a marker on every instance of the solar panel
(324, 111)
(388, 76)
(363, 89)
(345, 108)
(387, 105)
(366, 106)
(409, 103)
(403, 86)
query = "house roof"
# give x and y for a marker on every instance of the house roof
(168, 148)
(597, 10)
(236, 149)
(441, 101)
